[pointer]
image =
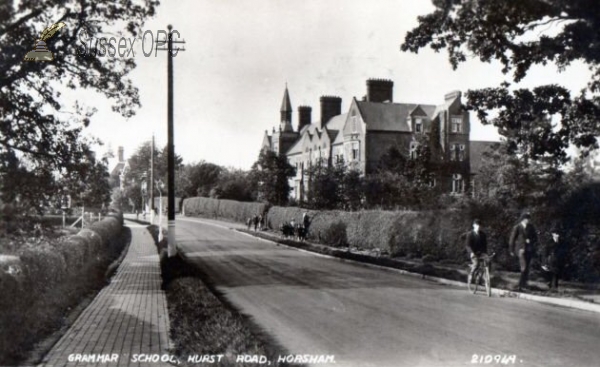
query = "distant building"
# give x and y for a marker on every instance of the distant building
(363, 133)
(117, 174)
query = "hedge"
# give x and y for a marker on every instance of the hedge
(229, 209)
(49, 277)
(437, 235)
(400, 233)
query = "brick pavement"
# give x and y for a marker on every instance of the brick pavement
(127, 318)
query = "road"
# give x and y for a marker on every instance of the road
(366, 316)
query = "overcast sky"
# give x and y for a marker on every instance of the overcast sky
(240, 54)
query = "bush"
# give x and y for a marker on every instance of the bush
(336, 235)
(215, 208)
(48, 278)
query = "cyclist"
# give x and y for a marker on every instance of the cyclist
(476, 245)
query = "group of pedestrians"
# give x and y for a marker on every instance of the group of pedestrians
(298, 231)
(258, 221)
(523, 244)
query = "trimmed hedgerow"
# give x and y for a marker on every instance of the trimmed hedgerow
(435, 234)
(50, 276)
(215, 208)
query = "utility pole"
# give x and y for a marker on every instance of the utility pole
(172, 249)
(152, 181)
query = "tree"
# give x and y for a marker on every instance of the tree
(38, 127)
(88, 183)
(269, 176)
(204, 176)
(232, 184)
(326, 185)
(138, 171)
(520, 34)
(404, 182)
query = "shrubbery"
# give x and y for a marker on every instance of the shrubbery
(49, 277)
(400, 233)
(438, 235)
(214, 208)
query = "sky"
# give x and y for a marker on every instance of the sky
(241, 54)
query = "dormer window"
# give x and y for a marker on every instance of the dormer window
(418, 125)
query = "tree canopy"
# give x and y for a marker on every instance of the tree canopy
(39, 126)
(520, 34)
(138, 171)
(270, 174)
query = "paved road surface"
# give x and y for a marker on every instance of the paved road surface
(372, 317)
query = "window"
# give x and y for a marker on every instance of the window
(456, 124)
(413, 150)
(461, 152)
(418, 125)
(355, 151)
(455, 152)
(458, 184)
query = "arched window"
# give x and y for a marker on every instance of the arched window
(413, 154)
(458, 184)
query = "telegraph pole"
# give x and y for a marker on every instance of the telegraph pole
(172, 249)
(152, 182)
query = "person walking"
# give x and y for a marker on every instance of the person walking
(476, 245)
(305, 223)
(522, 243)
(555, 254)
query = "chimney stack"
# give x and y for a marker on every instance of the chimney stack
(456, 94)
(330, 106)
(380, 90)
(121, 157)
(304, 117)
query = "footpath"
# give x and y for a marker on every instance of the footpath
(127, 324)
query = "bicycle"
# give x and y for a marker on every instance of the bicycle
(482, 271)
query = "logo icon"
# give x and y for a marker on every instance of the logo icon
(40, 51)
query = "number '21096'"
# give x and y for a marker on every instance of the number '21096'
(493, 358)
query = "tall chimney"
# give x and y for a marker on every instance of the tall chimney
(121, 158)
(330, 106)
(380, 90)
(304, 116)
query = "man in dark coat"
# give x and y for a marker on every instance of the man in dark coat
(522, 243)
(476, 245)
(555, 254)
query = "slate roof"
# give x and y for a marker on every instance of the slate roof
(286, 104)
(333, 126)
(390, 116)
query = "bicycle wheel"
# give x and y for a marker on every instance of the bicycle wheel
(477, 277)
(488, 284)
(470, 281)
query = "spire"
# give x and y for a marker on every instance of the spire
(286, 111)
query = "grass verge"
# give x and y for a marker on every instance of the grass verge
(204, 323)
